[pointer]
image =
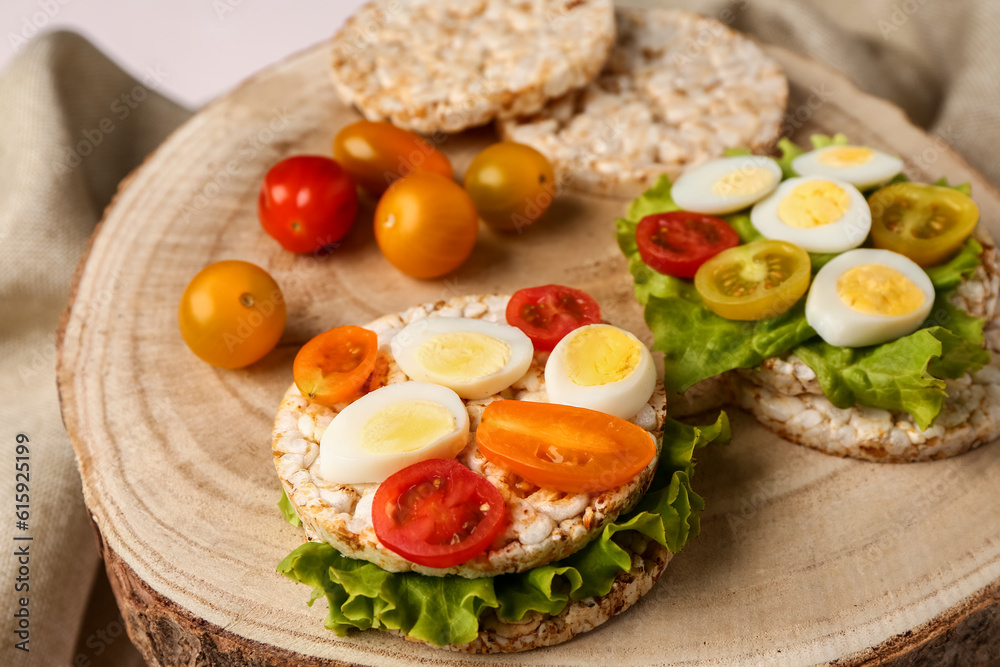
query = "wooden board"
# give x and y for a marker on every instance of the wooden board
(803, 558)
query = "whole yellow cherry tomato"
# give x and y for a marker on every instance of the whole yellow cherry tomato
(512, 185)
(231, 314)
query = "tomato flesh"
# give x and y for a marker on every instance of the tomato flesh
(376, 154)
(437, 513)
(560, 447)
(549, 312)
(754, 281)
(335, 366)
(231, 314)
(307, 202)
(426, 225)
(678, 242)
(927, 223)
(511, 184)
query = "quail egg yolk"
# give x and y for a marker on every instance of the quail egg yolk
(843, 157)
(874, 289)
(743, 182)
(406, 426)
(600, 355)
(463, 356)
(814, 204)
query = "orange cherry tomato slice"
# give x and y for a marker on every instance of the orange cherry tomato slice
(437, 513)
(334, 366)
(560, 447)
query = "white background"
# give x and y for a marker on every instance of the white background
(205, 47)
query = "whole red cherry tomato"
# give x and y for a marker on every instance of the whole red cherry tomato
(307, 202)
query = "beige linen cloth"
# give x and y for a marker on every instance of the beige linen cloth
(938, 59)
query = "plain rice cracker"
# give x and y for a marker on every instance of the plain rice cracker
(447, 65)
(677, 91)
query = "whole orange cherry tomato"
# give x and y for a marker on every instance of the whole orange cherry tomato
(377, 154)
(426, 225)
(231, 314)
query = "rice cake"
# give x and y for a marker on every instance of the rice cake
(678, 89)
(447, 65)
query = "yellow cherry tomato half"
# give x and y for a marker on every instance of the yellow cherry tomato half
(927, 223)
(754, 281)
(512, 185)
(377, 154)
(426, 225)
(231, 314)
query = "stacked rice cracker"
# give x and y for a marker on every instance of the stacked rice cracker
(613, 97)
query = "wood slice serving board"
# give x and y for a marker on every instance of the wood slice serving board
(803, 558)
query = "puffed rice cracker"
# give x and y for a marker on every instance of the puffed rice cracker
(677, 90)
(448, 65)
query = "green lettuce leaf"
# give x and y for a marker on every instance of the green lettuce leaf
(698, 344)
(905, 375)
(790, 150)
(287, 510)
(951, 317)
(446, 610)
(741, 223)
(964, 188)
(961, 266)
(442, 610)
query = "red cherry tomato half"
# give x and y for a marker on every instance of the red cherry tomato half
(437, 513)
(307, 202)
(678, 242)
(549, 312)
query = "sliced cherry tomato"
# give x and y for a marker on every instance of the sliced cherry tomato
(927, 223)
(334, 366)
(678, 242)
(437, 513)
(754, 281)
(376, 154)
(307, 202)
(547, 313)
(426, 225)
(231, 314)
(568, 449)
(511, 184)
